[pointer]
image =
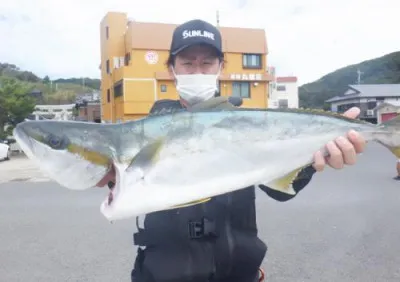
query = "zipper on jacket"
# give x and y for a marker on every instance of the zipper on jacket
(229, 235)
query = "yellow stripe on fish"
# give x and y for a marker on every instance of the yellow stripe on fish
(201, 201)
(91, 156)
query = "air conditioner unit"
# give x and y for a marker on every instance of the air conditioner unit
(116, 62)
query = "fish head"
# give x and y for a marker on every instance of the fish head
(74, 154)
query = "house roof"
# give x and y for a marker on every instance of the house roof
(158, 36)
(368, 91)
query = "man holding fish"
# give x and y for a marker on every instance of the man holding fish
(215, 240)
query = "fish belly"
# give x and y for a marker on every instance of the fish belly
(180, 175)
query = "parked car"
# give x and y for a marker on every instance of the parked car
(14, 146)
(5, 151)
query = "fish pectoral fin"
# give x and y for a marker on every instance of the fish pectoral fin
(192, 203)
(219, 102)
(146, 156)
(284, 184)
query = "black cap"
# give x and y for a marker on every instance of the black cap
(195, 32)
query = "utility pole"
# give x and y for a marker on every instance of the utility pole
(359, 73)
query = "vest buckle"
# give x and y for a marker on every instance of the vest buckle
(201, 229)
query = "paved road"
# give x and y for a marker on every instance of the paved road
(343, 227)
(20, 169)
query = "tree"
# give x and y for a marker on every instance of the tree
(46, 79)
(15, 104)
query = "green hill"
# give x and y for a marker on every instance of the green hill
(58, 91)
(382, 70)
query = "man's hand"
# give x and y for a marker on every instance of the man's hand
(342, 151)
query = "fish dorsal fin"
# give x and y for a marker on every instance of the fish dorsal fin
(319, 112)
(221, 103)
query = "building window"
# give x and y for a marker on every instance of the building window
(281, 88)
(252, 61)
(163, 88)
(108, 66)
(371, 105)
(345, 107)
(107, 32)
(118, 89)
(108, 96)
(283, 103)
(127, 59)
(241, 89)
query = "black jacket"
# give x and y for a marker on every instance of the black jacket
(213, 241)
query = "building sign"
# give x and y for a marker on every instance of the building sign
(244, 76)
(151, 57)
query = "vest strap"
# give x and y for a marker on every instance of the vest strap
(202, 229)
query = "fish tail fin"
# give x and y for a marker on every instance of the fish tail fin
(389, 135)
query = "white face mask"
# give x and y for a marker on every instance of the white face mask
(195, 88)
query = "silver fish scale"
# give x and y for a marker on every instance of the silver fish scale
(187, 131)
(218, 149)
(275, 125)
(122, 142)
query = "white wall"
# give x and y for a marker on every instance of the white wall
(61, 112)
(290, 92)
(393, 101)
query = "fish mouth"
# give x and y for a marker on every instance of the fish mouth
(116, 185)
(111, 187)
(112, 194)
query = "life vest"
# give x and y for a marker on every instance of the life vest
(213, 241)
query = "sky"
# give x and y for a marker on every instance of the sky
(305, 38)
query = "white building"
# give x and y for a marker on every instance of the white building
(284, 92)
(386, 111)
(56, 112)
(368, 97)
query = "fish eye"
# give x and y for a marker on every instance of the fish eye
(56, 142)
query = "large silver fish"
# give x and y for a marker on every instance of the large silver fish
(183, 158)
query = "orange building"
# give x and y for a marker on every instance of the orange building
(134, 73)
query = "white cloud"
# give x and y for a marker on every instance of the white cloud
(306, 38)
